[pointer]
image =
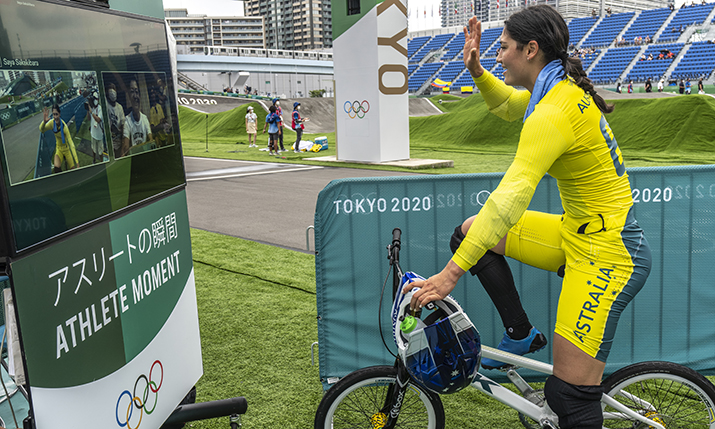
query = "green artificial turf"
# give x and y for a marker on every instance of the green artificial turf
(650, 132)
(257, 317)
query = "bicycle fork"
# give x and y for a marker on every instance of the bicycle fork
(393, 400)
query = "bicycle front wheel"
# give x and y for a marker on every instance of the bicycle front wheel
(358, 401)
(670, 394)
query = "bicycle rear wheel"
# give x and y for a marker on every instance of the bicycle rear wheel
(670, 394)
(358, 401)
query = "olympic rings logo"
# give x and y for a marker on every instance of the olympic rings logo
(356, 109)
(5, 116)
(140, 403)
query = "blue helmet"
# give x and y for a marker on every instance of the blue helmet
(296, 104)
(443, 352)
(274, 101)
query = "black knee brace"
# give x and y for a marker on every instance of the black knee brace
(576, 406)
(483, 262)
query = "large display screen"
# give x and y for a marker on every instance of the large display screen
(88, 119)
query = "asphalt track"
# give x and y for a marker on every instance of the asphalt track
(265, 202)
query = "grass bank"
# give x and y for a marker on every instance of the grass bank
(650, 132)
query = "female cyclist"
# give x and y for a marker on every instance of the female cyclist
(64, 145)
(596, 245)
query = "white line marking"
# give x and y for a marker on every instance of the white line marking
(257, 173)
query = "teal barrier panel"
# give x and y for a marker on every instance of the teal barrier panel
(670, 319)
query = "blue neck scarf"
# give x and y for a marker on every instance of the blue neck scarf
(549, 76)
(61, 130)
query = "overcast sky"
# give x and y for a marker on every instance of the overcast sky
(208, 7)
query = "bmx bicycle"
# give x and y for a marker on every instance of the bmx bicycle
(654, 394)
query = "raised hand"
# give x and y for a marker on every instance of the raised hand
(472, 39)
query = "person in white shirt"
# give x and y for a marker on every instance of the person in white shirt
(96, 129)
(115, 113)
(136, 129)
(251, 126)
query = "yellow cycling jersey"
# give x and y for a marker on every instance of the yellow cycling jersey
(566, 136)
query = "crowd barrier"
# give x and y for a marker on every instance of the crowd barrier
(670, 319)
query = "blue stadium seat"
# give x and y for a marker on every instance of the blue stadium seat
(646, 24)
(607, 30)
(578, 27)
(698, 62)
(611, 65)
(654, 69)
(436, 42)
(686, 16)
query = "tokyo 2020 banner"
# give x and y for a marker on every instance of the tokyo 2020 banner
(109, 323)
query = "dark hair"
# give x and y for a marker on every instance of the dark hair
(272, 109)
(543, 24)
(56, 107)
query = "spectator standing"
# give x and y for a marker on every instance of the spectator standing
(618, 87)
(688, 87)
(115, 112)
(96, 130)
(681, 86)
(701, 88)
(630, 87)
(648, 86)
(660, 85)
(272, 121)
(251, 125)
(297, 125)
(279, 112)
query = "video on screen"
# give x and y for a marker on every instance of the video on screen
(138, 111)
(52, 122)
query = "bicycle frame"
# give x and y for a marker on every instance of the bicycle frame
(529, 404)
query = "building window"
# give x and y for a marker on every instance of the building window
(353, 7)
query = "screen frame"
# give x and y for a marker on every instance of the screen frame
(9, 248)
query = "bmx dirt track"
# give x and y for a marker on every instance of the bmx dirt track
(321, 111)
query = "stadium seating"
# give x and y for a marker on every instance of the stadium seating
(646, 24)
(436, 42)
(578, 27)
(454, 47)
(488, 38)
(698, 62)
(587, 59)
(654, 69)
(607, 30)
(411, 68)
(422, 74)
(414, 44)
(610, 67)
(685, 17)
(451, 70)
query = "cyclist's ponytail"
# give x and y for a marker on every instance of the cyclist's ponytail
(543, 24)
(574, 68)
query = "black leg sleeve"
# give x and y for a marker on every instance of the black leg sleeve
(494, 273)
(577, 406)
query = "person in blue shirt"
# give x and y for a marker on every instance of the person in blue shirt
(272, 121)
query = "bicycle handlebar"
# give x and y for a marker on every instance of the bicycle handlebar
(396, 234)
